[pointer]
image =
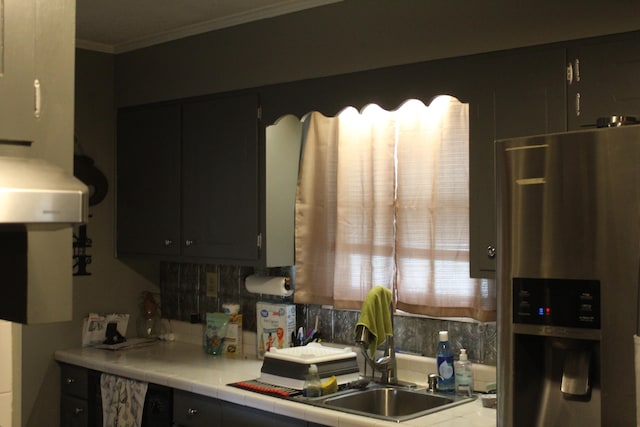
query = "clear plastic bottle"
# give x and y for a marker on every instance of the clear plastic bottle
(444, 361)
(464, 375)
(312, 384)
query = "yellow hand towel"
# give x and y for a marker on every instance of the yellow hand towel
(375, 315)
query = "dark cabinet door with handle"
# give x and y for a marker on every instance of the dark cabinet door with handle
(195, 410)
(79, 401)
(523, 94)
(148, 180)
(74, 412)
(220, 178)
(187, 179)
(602, 79)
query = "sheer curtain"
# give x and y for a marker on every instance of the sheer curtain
(383, 200)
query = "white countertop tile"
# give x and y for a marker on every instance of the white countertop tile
(187, 367)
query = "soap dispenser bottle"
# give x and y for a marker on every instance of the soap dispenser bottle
(444, 360)
(464, 375)
(312, 385)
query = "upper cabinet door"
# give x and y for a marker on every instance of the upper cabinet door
(148, 180)
(603, 79)
(220, 178)
(17, 70)
(523, 94)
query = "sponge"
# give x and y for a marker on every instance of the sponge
(330, 385)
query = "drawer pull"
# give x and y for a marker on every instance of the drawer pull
(191, 412)
(70, 381)
(78, 411)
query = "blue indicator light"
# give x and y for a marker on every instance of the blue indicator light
(541, 311)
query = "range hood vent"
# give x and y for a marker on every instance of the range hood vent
(33, 191)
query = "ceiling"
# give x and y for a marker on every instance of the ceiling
(116, 26)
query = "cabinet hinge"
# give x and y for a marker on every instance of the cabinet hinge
(259, 241)
(259, 113)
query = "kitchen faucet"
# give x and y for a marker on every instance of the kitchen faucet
(386, 364)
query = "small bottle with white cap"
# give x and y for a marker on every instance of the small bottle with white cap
(464, 375)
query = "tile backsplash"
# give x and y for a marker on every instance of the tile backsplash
(183, 289)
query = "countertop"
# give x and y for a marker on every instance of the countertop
(187, 367)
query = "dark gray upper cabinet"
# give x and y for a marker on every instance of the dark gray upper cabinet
(187, 179)
(222, 172)
(603, 79)
(220, 178)
(519, 93)
(148, 180)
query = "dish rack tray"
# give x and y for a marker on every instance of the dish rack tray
(289, 367)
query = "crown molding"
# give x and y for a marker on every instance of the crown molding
(282, 8)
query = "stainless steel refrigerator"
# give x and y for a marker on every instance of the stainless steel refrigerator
(568, 276)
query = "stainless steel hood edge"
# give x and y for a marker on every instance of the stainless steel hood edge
(33, 191)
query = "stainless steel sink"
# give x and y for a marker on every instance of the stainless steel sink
(390, 403)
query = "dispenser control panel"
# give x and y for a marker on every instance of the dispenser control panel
(557, 302)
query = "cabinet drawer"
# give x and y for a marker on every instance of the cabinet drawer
(238, 415)
(194, 410)
(75, 381)
(74, 412)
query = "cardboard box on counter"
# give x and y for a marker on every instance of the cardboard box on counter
(233, 339)
(275, 324)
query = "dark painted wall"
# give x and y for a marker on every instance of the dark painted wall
(354, 35)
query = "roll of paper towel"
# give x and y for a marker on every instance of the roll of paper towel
(269, 285)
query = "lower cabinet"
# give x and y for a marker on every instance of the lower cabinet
(79, 393)
(81, 400)
(239, 415)
(195, 410)
(158, 406)
(81, 406)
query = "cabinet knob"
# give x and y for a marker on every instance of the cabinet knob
(191, 412)
(491, 251)
(188, 243)
(70, 381)
(78, 411)
(168, 242)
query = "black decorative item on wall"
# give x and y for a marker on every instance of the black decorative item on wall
(84, 169)
(80, 257)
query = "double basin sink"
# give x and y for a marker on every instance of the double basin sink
(389, 403)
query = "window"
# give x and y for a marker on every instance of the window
(383, 199)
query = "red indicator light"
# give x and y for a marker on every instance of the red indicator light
(547, 311)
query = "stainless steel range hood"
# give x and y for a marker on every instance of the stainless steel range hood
(33, 191)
